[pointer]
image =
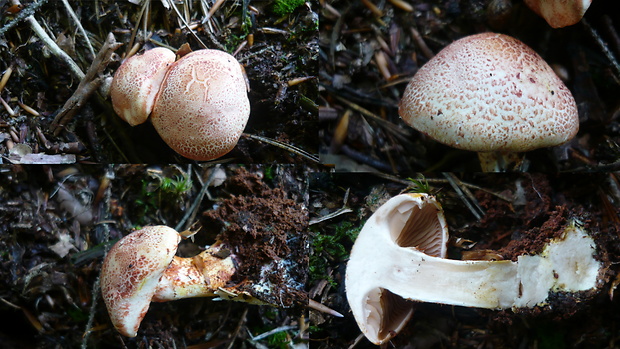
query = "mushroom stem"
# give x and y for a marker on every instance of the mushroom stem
(482, 284)
(142, 267)
(387, 267)
(497, 284)
(502, 161)
(207, 274)
(199, 276)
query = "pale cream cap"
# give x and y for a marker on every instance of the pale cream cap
(490, 92)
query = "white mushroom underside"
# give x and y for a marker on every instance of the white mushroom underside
(378, 264)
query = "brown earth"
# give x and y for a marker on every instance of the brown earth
(522, 212)
(57, 223)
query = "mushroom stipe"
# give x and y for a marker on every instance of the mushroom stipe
(399, 257)
(142, 268)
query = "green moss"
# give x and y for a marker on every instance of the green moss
(331, 247)
(285, 7)
(159, 192)
(419, 185)
(279, 340)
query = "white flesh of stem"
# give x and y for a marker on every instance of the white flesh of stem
(379, 263)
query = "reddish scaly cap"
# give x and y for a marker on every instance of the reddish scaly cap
(131, 272)
(490, 92)
(136, 83)
(559, 13)
(202, 107)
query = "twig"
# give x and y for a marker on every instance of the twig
(466, 196)
(389, 126)
(323, 308)
(242, 320)
(609, 25)
(27, 11)
(604, 48)
(357, 340)
(284, 146)
(335, 214)
(214, 8)
(95, 289)
(365, 159)
(54, 49)
(443, 181)
(90, 82)
(79, 27)
(269, 333)
(186, 25)
(193, 209)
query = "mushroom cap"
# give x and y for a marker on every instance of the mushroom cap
(202, 107)
(559, 13)
(131, 272)
(490, 92)
(136, 83)
(413, 221)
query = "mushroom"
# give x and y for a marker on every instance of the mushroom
(559, 13)
(136, 83)
(492, 94)
(199, 104)
(398, 257)
(142, 267)
(406, 222)
(202, 107)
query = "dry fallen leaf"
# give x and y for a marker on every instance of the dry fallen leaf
(63, 246)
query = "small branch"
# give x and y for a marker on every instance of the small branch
(56, 51)
(27, 11)
(89, 84)
(465, 195)
(186, 25)
(603, 47)
(79, 26)
(284, 146)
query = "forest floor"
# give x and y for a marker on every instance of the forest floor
(326, 79)
(368, 57)
(512, 215)
(58, 223)
(278, 49)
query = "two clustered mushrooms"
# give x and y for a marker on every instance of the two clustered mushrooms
(198, 104)
(400, 257)
(142, 268)
(492, 94)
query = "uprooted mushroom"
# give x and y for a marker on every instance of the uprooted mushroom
(399, 256)
(142, 268)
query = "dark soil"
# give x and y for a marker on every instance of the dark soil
(534, 214)
(267, 231)
(284, 49)
(48, 293)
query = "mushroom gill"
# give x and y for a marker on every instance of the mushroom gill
(422, 230)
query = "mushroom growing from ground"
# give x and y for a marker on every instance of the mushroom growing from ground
(142, 268)
(559, 13)
(492, 94)
(199, 104)
(136, 84)
(202, 107)
(398, 257)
